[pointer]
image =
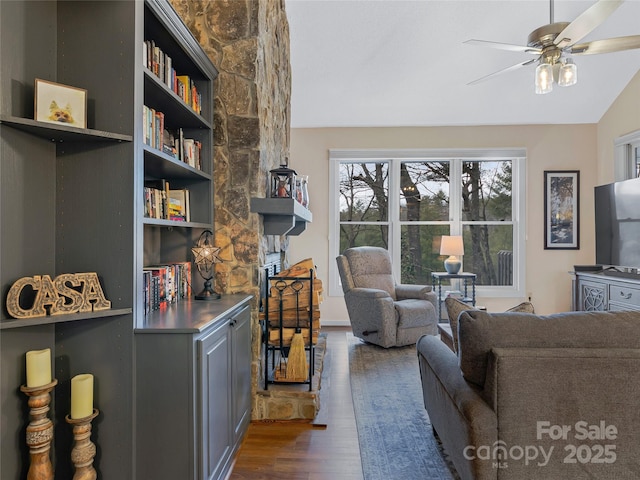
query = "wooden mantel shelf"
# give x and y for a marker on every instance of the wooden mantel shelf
(281, 216)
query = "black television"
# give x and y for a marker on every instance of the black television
(617, 217)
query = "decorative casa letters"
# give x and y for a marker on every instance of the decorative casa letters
(67, 293)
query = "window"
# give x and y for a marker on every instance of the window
(627, 156)
(406, 200)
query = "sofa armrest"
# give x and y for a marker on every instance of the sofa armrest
(457, 411)
(372, 315)
(422, 292)
(370, 293)
(444, 364)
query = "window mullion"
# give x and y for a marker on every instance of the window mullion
(394, 216)
(455, 196)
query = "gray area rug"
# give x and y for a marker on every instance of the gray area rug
(395, 435)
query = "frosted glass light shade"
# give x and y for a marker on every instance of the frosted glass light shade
(568, 75)
(544, 78)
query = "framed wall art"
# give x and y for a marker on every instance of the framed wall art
(562, 209)
(61, 104)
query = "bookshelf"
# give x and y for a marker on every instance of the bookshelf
(165, 240)
(66, 197)
(72, 200)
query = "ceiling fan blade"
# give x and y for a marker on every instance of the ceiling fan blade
(504, 70)
(607, 45)
(504, 46)
(586, 22)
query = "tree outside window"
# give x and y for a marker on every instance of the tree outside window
(406, 205)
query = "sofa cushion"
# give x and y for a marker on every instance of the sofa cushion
(479, 332)
(524, 307)
(455, 307)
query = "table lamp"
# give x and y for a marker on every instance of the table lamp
(452, 246)
(205, 257)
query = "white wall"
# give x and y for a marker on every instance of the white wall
(549, 147)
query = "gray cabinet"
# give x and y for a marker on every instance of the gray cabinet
(194, 387)
(601, 292)
(225, 380)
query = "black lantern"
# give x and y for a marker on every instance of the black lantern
(283, 182)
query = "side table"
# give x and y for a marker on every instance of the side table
(466, 277)
(444, 329)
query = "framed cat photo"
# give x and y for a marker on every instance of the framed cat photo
(60, 104)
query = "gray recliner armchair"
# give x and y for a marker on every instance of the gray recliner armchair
(381, 311)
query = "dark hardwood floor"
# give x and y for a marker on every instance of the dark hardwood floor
(290, 450)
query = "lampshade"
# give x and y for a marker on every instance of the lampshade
(568, 74)
(452, 246)
(544, 78)
(205, 256)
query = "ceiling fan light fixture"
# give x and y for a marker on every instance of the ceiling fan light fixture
(568, 74)
(544, 78)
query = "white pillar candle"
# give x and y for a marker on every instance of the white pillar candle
(38, 367)
(81, 395)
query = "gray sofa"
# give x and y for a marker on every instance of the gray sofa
(562, 388)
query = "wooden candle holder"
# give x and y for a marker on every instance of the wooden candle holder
(39, 431)
(83, 449)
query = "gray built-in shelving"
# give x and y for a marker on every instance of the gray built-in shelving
(71, 200)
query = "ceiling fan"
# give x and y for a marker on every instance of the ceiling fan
(553, 45)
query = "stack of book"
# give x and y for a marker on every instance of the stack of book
(175, 144)
(164, 203)
(166, 284)
(161, 65)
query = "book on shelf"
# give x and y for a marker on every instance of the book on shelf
(162, 202)
(188, 92)
(179, 206)
(155, 196)
(173, 143)
(169, 144)
(161, 65)
(191, 152)
(166, 284)
(153, 127)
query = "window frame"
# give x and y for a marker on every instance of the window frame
(626, 147)
(456, 224)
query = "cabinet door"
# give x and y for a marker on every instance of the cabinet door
(241, 365)
(215, 373)
(592, 296)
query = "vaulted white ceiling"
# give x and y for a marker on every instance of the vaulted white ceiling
(403, 63)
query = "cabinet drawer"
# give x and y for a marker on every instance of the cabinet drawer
(623, 295)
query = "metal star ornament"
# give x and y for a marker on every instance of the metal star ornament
(206, 255)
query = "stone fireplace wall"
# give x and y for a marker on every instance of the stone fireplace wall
(248, 41)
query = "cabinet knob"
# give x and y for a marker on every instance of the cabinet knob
(626, 296)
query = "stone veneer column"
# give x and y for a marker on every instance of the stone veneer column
(248, 41)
